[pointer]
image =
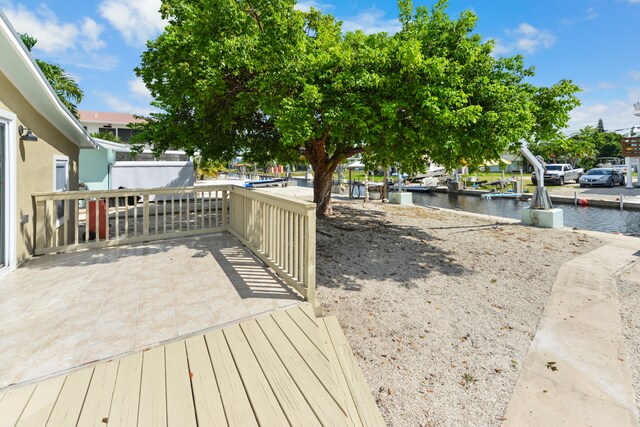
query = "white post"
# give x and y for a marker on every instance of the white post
(627, 162)
(366, 186)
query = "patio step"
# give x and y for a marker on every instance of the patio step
(286, 367)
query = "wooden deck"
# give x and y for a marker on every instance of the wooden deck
(284, 368)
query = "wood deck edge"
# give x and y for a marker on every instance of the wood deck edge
(358, 390)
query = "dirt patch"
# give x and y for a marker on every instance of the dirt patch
(439, 308)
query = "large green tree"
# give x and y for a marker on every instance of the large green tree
(63, 84)
(261, 79)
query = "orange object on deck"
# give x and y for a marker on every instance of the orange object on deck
(583, 202)
(103, 227)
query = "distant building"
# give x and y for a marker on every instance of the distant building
(115, 123)
(118, 125)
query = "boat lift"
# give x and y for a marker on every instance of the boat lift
(541, 199)
(540, 212)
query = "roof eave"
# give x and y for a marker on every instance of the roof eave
(21, 70)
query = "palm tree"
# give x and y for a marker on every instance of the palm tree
(62, 82)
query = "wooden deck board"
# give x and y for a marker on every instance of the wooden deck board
(308, 326)
(13, 404)
(126, 393)
(295, 407)
(280, 369)
(153, 392)
(366, 406)
(39, 408)
(236, 404)
(323, 404)
(352, 411)
(97, 402)
(180, 409)
(69, 404)
(209, 409)
(265, 405)
(311, 354)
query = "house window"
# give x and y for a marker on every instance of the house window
(124, 134)
(61, 183)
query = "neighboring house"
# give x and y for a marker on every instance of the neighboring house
(115, 123)
(40, 141)
(508, 162)
(104, 169)
(118, 125)
(95, 165)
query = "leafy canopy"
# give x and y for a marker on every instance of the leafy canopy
(261, 79)
(62, 82)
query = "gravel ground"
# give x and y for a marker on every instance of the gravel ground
(439, 308)
(629, 297)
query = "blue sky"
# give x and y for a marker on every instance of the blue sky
(595, 43)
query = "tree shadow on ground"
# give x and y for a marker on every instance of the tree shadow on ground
(356, 244)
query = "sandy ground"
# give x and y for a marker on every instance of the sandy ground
(629, 297)
(439, 308)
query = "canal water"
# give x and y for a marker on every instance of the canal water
(585, 217)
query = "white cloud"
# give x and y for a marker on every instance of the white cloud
(525, 38)
(119, 105)
(305, 6)
(68, 43)
(607, 85)
(590, 14)
(616, 114)
(92, 31)
(137, 88)
(53, 36)
(372, 21)
(137, 21)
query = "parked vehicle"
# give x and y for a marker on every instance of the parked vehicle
(607, 177)
(623, 168)
(559, 173)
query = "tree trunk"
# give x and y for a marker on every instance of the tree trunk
(322, 181)
(323, 168)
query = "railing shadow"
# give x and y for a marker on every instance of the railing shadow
(250, 277)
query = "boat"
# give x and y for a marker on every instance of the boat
(419, 183)
(266, 183)
(507, 195)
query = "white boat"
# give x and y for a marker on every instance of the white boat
(421, 183)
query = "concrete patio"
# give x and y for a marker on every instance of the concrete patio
(62, 311)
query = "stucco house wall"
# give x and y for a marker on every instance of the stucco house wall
(29, 166)
(35, 161)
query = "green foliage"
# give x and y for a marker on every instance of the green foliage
(600, 125)
(210, 168)
(260, 79)
(62, 82)
(106, 135)
(580, 149)
(29, 41)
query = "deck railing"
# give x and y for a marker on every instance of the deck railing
(279, 230)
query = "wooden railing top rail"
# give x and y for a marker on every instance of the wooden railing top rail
(295, 205)
(72, 195)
